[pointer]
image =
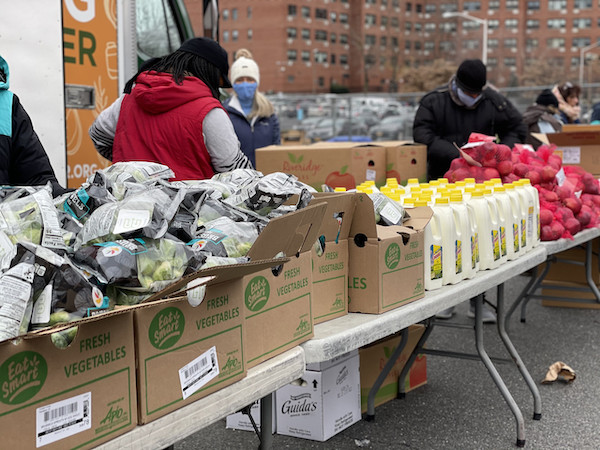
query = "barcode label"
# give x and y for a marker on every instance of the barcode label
(198, 372)
(63, 419)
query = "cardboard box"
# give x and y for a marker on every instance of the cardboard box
(578, 145)
(322, 403)
(584, 294)
(386, 268)
(336, 164)
(564, 271)
(375, 356)
(240, 421)
(330, 258)
(278, 303)
(404, 160)
(79, 396)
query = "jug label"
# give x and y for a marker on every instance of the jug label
(523, 233)
(516, 236)
(436, 262)
(458, 255)
(503, 241)
(474, 250)
(495, 245)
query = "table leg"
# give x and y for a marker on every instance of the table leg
(524, 293)
(494, 373)
(266, 422)
(418, 349)
(537, 400)
(588, 269)
(383, 375)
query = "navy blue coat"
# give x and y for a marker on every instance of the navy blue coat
(265, 131)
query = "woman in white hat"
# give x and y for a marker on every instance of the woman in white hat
(252, 114)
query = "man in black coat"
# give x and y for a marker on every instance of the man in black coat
(450, 113)
(23, 160)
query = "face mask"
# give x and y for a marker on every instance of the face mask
(245, 91)
(467, 100)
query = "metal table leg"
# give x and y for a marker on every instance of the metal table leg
(588, 269)
(383, 375)
(537, 400)
(494, 373)
(524, 293)
(266, 422)
(428, 329)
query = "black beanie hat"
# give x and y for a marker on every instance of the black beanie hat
(547, 98)
(471, 76)
(212, 52)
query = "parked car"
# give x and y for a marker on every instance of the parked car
(389, 129)
(328, 128)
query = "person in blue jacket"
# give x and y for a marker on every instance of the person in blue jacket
(252, 114)
(23, 159)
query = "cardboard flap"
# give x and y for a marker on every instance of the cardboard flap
(579, 136)
(339, 202)
(291, 234)
(364, 217)
(385, 232)
(542, 137)
(419, 217)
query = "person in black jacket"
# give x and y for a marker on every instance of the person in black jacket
(450, 113)
(23, 160)
(541, 117)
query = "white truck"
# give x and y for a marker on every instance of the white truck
(69, 59)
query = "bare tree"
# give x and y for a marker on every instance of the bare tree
(426, 77)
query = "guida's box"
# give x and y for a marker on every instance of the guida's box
(386, 267)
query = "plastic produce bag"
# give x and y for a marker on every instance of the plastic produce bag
(226, 238)
(146, 214)
(387, 211)
(14, 192)
(118, 175)
(89, 197)
(32, 218)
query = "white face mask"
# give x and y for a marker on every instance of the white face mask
(467, 100)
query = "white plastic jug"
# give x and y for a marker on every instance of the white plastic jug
(536, 210)
(434, 255)
(474, 237)
(463, 219)
(507, 223)
(451, 242)
(489, 195)
(517, 218)
(527, 211)
(486, 215)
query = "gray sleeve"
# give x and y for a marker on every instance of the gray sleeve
(102, 131)
(222, 143)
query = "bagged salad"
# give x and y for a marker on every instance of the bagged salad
(225, 238)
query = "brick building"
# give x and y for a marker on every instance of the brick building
(320, 45)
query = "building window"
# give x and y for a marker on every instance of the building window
(343, 38)
(382, 61)
(292, 55)
(370, 2)
(320, 35)
(418, 27)
(555, 43)
(470, 44)
(492, 62)
(395, 23)
(305, 34)
(292, 10)
(448, 27)
(332, 38)
(225, 36)
(292, 33)
(234, 35)
(448, 7)
(344, 59)
(333, 17)
(306, 12)
(556, 24)
(512, 4)
(396, 3)
(582, 23)
(472, 6)
(369, 39)
(446, 46)
(511, 23)
(370, 19)
(408, 6)
(291, 79)
(305, 55)
(332, 58)
(494, 4)
(532, 24)
(383, 41)
(429, 45)
(225, 14)
(493, 43)
(417, 45)
(574, 61)
(557, 5)
(430, 8)
(406, 45)
(532, 43)
(471, 25)
(394, 42)
(582, 4)
(493, 24)
(249, 34)
(581, 42)
(343, 18)
(384, 21)
(321, 13)
(234, 14)
(531, 6)
(249, 12)
(510, 43)
(510, 62)
(430, 27)
(408, 26)
(384, 3)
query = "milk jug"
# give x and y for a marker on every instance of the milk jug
(474, 236)
(536, 209)
(517, 218)
(507, 222)
(433, 253)
(410, 184)
(464, 221)
(486, 215)
(527, 211)
(452, 271)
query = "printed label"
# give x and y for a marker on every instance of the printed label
(516, 242)
(131, 219)
(198, 372)
(503, 241)
(370, 175)
(392, 214)
(495, 245)
(530, 224)
(474, 250)
(523, 233)
(435, 255)
(63, 419)
(458, 255)
(51, 235)
(571, 155)
(392, 256)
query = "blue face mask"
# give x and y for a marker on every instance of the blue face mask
(466, 99)
(245, 91)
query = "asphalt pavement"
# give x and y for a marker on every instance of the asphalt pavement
(461, 407)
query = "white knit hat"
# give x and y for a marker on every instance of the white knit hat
(244, 67)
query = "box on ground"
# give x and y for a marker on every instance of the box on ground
(386, 267)
(240, 421)
(278, 303)
(404, 160)
(322, 403)
(185, 353)
(330, 257)
(574, 273)
(568, 298)
(375, 356)
(79, 396)
(337, 164)
(579, 145)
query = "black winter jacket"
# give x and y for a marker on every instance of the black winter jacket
(442, 120)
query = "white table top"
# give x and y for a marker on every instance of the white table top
(341, 335)
(261, 380)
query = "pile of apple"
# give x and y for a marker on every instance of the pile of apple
(569, 196)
